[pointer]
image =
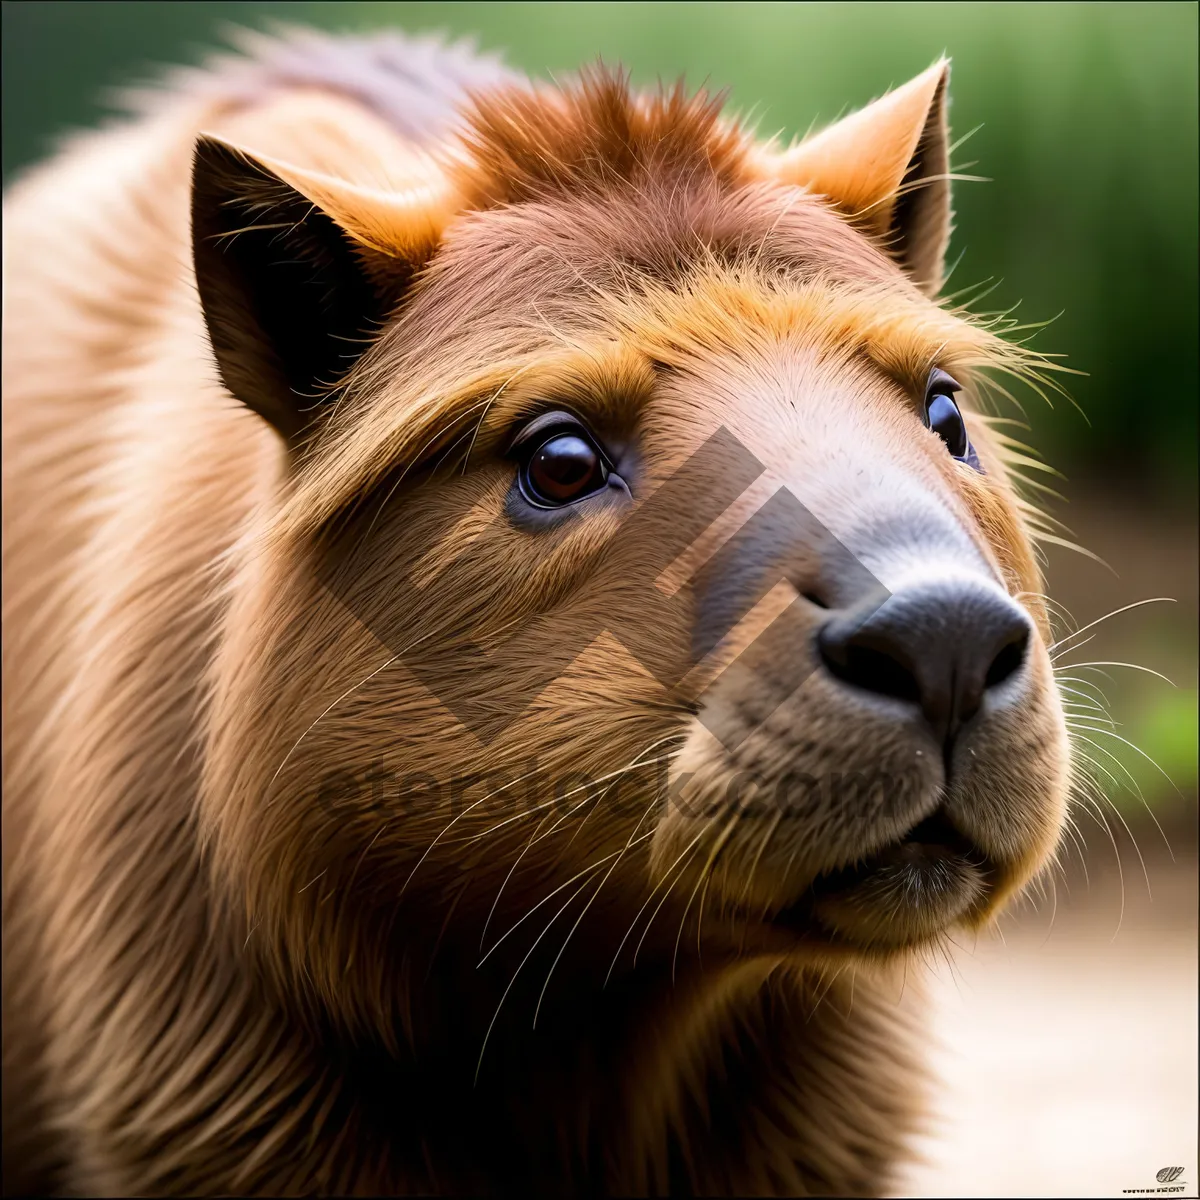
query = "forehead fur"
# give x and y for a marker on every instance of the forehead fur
(526, 143)
(598, 216)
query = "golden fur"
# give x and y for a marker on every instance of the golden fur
(244, 951)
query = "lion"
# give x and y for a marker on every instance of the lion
(522, 636)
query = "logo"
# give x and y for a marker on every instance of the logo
(1166, 1177)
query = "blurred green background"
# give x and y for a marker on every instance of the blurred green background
(1087, 126)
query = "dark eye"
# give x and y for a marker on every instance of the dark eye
(559, 465)
(942, 415)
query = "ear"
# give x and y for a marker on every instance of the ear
(886, 166)
(296, 270)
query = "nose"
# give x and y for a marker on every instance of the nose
(940, 646)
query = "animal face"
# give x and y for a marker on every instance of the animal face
(653, 550)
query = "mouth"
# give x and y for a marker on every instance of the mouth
(909, 892)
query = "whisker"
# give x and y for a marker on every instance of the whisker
(504, 884)
(1133, 784)
(1073, 832)
(1075, 547)
(429, 849)
(470, 808)
(744, 894)
(1116, 612)
(702, 878)
(528, 955)
(633, 841)
(347, 692)
(666, 894)
(1092, 690)
(1125, 741)
(1129, 666)
(1091, 703)
(1097, 815)
(591, 783)
(629, 767)
(1053, 908)
(1069, 649)
(588, 870)
(637, 915)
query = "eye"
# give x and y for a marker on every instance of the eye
(566, 467)
(559, 461)
(942, 415)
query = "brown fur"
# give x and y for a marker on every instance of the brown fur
(219, 977)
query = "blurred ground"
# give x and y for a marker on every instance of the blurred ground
(1068, 1053)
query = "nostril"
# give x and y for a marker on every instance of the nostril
(869, 668)
(880, 672)
(1008, 662)
(937, 649)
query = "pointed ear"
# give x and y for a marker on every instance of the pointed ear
(886, 167)
(296, 270)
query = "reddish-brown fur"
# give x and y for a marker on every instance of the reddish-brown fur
(223, 974)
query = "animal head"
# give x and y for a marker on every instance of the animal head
(637, 541)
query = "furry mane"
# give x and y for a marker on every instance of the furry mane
(526, 143)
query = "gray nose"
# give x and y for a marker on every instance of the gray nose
(940, 646)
